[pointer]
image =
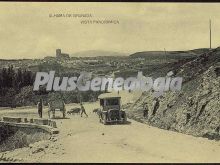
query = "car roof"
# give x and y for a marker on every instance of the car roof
(108, 96)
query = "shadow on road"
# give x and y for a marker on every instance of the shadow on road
(127, 123)
(60, 118)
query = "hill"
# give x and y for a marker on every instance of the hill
(195, 109)
(97, 53)
(169, 54)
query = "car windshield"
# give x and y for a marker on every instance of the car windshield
(112, 102)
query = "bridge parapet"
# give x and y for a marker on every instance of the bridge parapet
(44, 124)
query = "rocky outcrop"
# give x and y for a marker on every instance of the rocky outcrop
(195, 109)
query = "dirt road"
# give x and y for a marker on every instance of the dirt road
(86, 140)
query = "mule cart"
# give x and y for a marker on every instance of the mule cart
(54, 106)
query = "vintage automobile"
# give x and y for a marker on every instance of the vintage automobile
(110, 109)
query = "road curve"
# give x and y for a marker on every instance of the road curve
(84, 139)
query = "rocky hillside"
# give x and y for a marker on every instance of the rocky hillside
(195, 109)
(169, 54)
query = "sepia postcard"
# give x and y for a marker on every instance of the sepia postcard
(109, 82)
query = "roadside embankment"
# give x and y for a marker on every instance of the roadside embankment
(16, 132)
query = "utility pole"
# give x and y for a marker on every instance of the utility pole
(210, 33)
(165, 53)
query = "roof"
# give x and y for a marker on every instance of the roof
(108, 95)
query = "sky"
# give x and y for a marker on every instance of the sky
(27, 31)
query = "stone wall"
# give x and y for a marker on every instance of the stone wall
(18, 132)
